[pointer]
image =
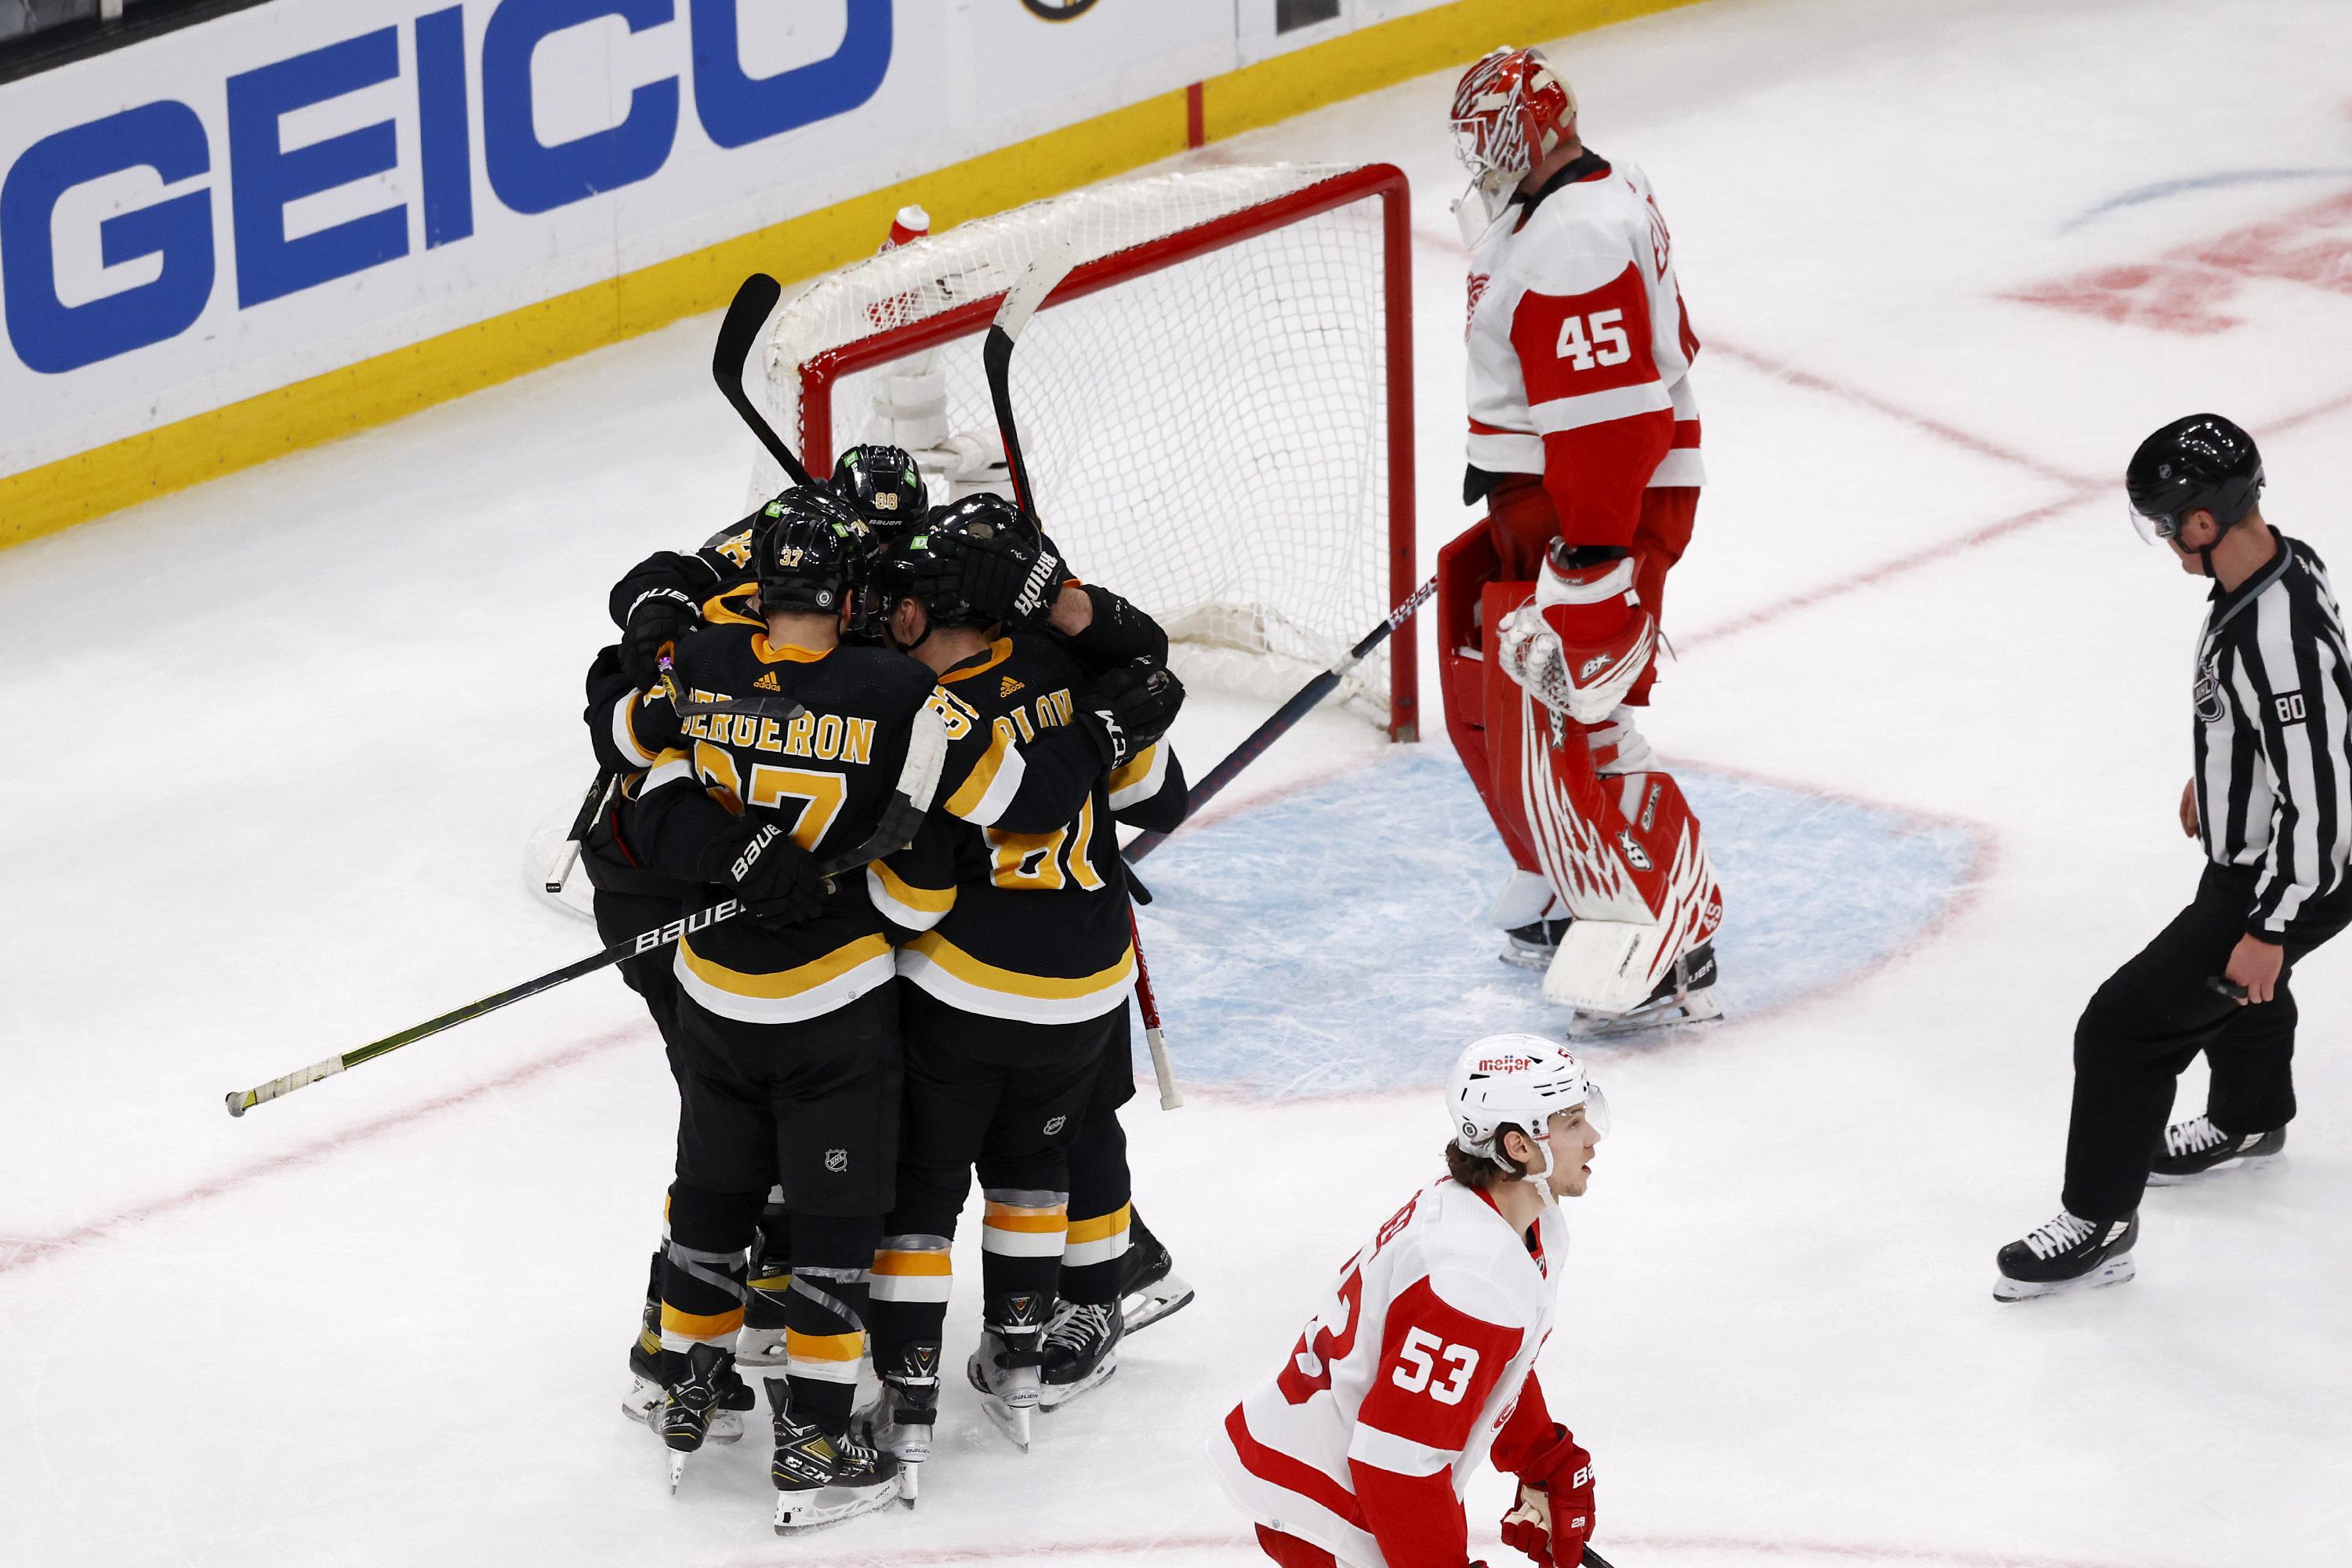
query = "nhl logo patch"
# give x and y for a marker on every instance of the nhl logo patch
(1056, 1125)
(837, 1159)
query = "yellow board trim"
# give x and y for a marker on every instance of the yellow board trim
(387, 386)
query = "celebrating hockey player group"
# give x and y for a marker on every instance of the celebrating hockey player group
(864, 1010)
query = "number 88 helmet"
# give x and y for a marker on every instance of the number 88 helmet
(1522, 1082)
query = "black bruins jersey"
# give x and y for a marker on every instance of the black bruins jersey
(718, 577)
(1016, 892)
(827, 773)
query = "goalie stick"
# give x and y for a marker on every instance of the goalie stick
(738, 332)
(910, 801)
(1300, 704)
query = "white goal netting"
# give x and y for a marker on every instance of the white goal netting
(1208, 433)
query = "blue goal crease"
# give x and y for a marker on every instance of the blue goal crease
(1337, 943)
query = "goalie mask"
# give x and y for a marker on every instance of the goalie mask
(1522, 1082)
(1511, 112)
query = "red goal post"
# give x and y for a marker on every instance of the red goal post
(1216, 405)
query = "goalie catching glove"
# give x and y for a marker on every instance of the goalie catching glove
(775, 878)
(657, 618)
(1130, 707)
(1583, 641)
(1553, 1517)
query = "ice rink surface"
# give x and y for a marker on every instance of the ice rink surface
(279, 742)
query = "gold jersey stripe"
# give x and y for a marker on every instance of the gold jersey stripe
(930, 900)
(974, 789)
(697, 1326)
(823, 1347)
(788, 981)
(989, 977)
(911, 1263)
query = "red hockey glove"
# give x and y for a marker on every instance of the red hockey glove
(1554, 1516)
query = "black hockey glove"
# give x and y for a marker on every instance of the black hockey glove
(775, 878)
(1129, 708)
(1033, 604)
(659, 618)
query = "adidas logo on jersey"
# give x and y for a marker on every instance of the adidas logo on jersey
(768, 682)
(1007, 687)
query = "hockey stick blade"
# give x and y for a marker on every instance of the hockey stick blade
(1302, 702)
(242, 1101)
(1037, 280)
(739, 333)
(600, 790)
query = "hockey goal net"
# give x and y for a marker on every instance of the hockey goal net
(1215, 406)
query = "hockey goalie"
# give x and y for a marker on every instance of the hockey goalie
(1584, 445)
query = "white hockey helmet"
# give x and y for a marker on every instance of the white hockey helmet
(1522, 1082)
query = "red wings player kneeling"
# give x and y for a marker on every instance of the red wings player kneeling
(1423, 1364)
(1584, 445)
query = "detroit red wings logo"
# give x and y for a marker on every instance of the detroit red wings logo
(1477, 292)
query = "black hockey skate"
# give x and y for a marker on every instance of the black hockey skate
(2067, 1252)
(645, 1391)
(1149, 1286)
(1005, 1368)
(901, 1424)
(1532, 945)
(1685, 995)
(823, 1478)
(704, 1401)
(1081, 1352)
(2197, 1148)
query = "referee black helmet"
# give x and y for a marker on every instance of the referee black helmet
(2201, 463)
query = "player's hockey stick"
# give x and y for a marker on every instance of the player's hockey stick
(1594, 1560)
(1148, 1005)
(242, 1101)
(600, 790)
(739, 332)
(1021, 301)
(1284, 716)
(782, 710)
(910, 801)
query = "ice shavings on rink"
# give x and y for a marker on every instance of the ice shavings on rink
(1287, 963)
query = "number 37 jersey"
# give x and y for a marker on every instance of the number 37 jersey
(1407, 1373)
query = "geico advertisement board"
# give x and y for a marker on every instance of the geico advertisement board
(228, 209)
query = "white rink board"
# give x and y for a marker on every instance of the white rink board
(382, 1321)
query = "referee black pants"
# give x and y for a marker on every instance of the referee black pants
(2150, 1020)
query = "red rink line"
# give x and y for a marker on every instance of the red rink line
(1246, 1550)
(17, 1253)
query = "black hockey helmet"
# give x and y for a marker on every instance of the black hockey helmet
(926, 564)
(882, 485)
(809, 553)
(2203, 462)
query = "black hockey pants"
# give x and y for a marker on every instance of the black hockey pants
(2152, 1017)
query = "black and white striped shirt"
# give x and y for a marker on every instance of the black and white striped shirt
(2273, 735)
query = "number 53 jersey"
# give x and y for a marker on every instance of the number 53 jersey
(1397, 1389)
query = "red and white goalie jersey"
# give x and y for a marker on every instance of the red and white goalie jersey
(1423, 1361)
(1580, 350)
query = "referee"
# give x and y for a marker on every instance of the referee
(2270, 800)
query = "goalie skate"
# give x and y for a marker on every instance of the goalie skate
(1685, 996)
